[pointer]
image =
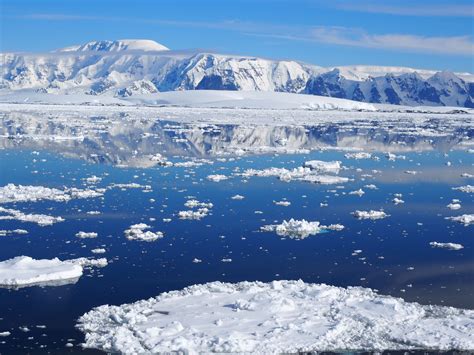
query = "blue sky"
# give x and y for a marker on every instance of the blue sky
(422, 34)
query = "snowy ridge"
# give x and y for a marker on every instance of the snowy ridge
(127, 68)
(275, 317)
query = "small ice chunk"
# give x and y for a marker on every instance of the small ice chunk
(450, 246)
(369, 214)
(137, 232)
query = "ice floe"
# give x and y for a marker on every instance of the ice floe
(139, 232)
(369, 214)
(40, 219)
(5, 232)
(217, 177)
(275, 317)
(28, 193)
(85, 235)
(358, 155)
(466, 219)
(298, 174)
(450, 246)
(299, 229)
(467, 188)
(24, 271)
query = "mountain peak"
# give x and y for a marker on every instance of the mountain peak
(116, 46)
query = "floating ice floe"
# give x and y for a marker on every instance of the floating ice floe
(450, 246)
(324, 166)
(466, 219)
(40, 219)
(454, 205)
(98, 251)
(25, 271)
(139, 232)
(467, 188)
(237, 197)
(393, 157)
(369, 214)
(20, 193)
(4, 233)
(358, 155)
(282, 203)
(217, 177)
(275, 317)
(85, 235)
(298, 174)
(203, 209)
(359, 192)
(299, 229)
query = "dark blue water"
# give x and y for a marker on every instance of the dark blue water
(140, 270)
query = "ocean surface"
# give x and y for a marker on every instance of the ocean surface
(392, 255)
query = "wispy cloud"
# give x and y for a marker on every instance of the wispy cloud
(448, 9)
(456, 45)
(342, 36)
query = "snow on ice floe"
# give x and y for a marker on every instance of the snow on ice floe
(466, 219)
(369, 214)
(450, 246)
(139, 232)
(40, 219)
(275, 317)
(299, 229)
(20, 193)
(24, 271)
(237, 197)
(467, 189)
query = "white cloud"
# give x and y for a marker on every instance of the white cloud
(444, 10)
(456, 45)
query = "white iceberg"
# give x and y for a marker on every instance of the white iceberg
(467, 189)
(275, 317)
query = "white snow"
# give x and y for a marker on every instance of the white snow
(275, 317)
(139, 232)
(299, 229)
(298, 174)
(450, 246)
(324, 166)
(358, 155)
(369, 214)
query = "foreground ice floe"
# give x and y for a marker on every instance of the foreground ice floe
(21, 193)
(466, 219)
(451, 246)
(25, 271)
(275, 317)
(369, 214)
(40, 219)
(299, 229)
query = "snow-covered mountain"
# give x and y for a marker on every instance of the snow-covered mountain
(126, 68)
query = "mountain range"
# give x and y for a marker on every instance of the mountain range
(125, 68)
